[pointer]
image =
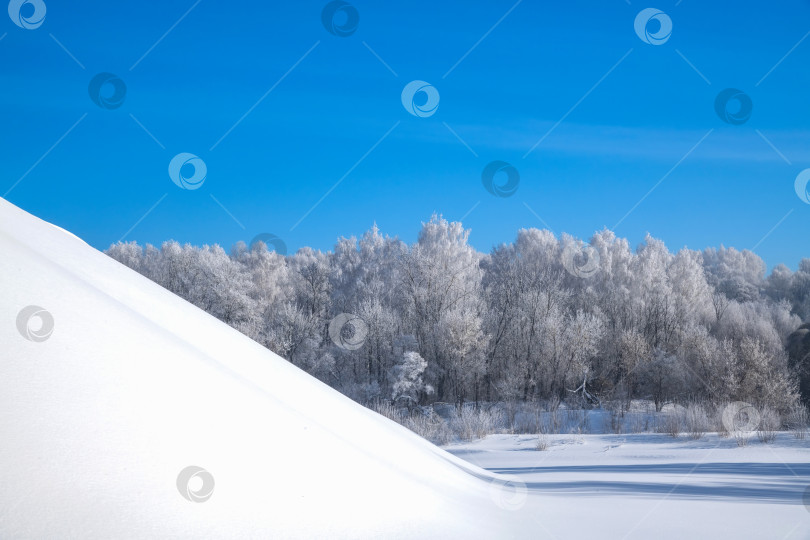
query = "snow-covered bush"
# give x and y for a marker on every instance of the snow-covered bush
(422, 421)
(741, 437)
(797, 421)
(670, 422)
(697, 421)
(472, 423)
(387, 410)
(769, 424)
(429, 426)
(718, 422)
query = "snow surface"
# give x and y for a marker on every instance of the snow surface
(135, 385)
(653, 486)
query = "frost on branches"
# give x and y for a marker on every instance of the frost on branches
(522, 322)
(409, 383)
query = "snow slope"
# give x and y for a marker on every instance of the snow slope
(134, 385)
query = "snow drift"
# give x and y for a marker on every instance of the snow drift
(139, 415)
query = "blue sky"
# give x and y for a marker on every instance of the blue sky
(281, 111)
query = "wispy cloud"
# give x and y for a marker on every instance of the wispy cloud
(647, 143)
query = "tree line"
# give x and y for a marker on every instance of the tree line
(541, 318)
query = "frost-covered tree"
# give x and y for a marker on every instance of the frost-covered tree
(409, 385)
(517, 323)
(737, 274)
(440, 290)
(799, 355)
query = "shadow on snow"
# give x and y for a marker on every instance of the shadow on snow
(787, 488)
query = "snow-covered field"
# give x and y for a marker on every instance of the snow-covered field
(653, 486)
(126, 412)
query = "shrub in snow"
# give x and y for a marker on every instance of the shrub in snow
(741, 420)
(769, 424)
(697, 421)
(426, 424)
(429, 426)
(672, 423)
(471, 423)
(797, 421)
(386, 409)
(719, 425)
(741, 437)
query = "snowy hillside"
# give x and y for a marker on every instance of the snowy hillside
(126, 412)
(99, 418)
